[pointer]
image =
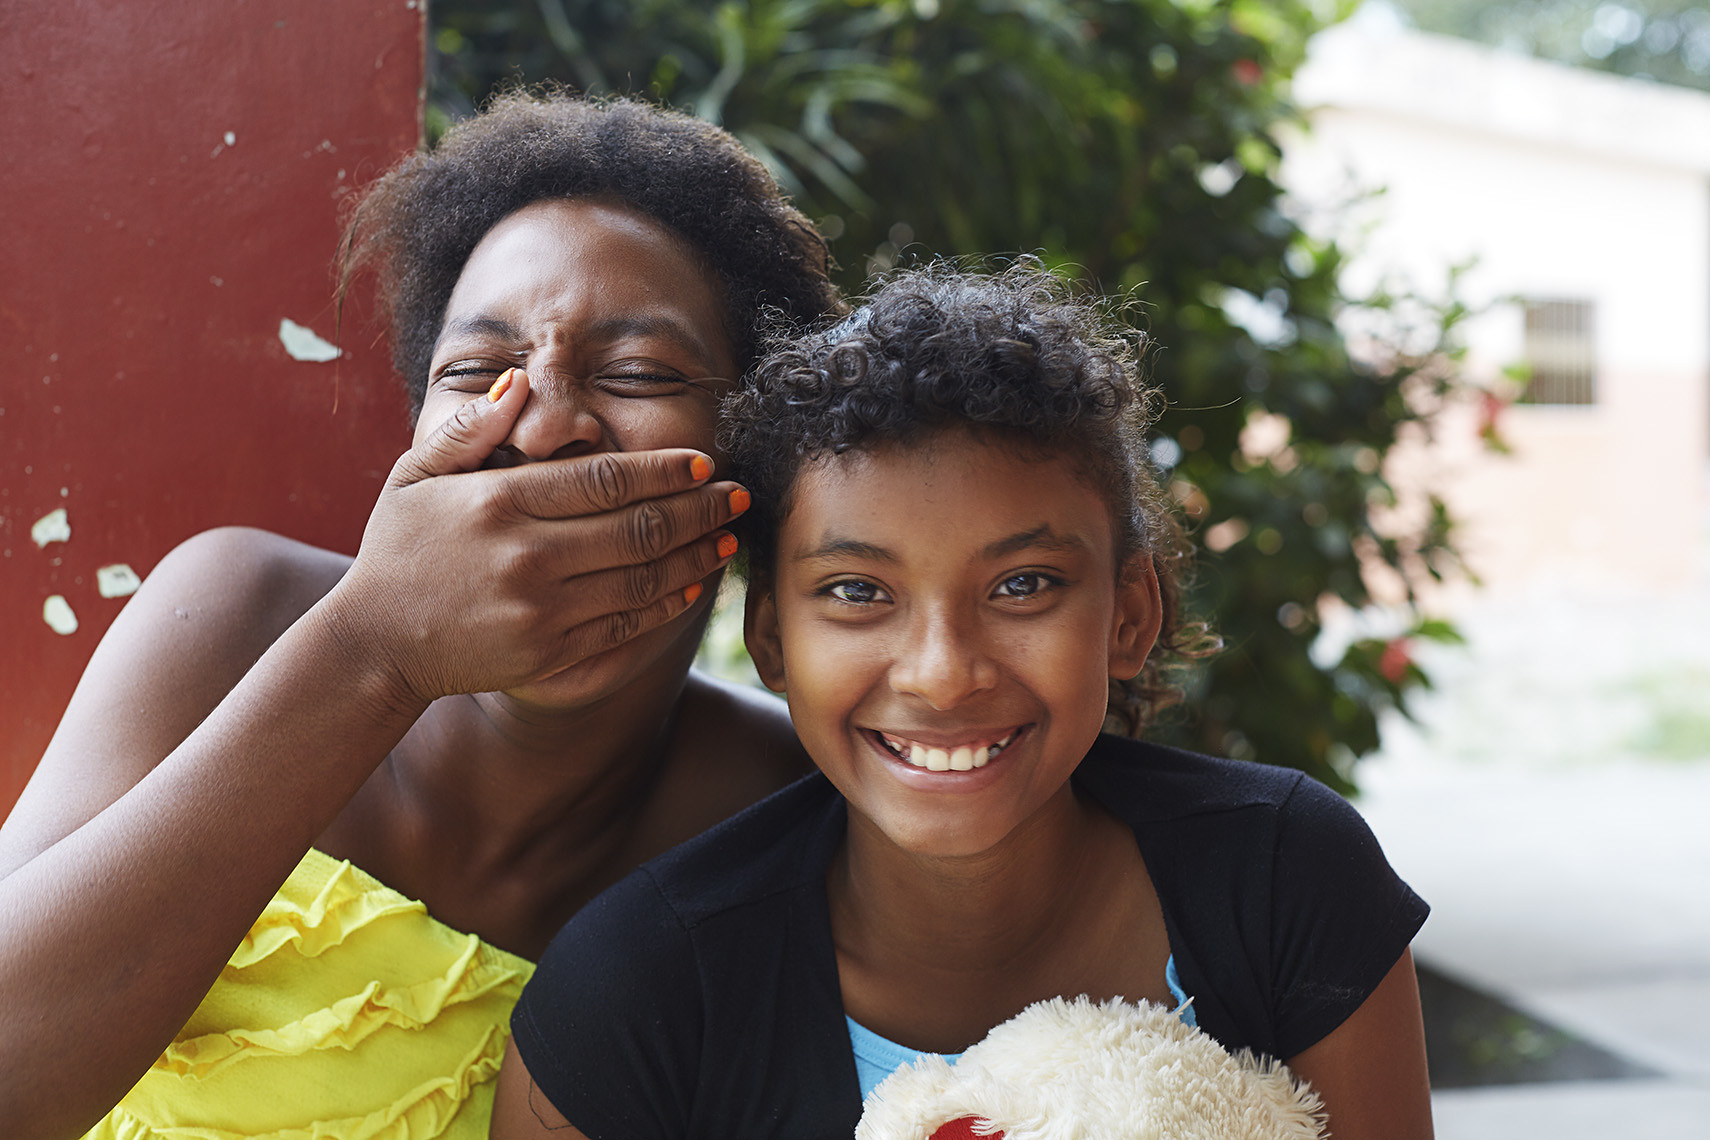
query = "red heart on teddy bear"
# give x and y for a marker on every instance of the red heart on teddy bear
(962, 1128)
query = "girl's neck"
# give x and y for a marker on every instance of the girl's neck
(517, 778)
(505, 817)
(933, 953)
(971, 912)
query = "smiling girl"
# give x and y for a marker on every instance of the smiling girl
(961, 571)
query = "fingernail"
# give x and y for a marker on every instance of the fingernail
(726, 545)
(739, 501)
(501, 385)
(700, 468)
(691, 592)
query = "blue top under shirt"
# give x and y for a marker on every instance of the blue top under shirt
(878, 1057)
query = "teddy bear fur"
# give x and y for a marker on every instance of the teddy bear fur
(1079, 1070)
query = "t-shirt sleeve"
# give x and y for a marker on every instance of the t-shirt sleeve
(1341, 916)
(610, 1024)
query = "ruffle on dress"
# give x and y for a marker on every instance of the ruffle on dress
(348, 1013)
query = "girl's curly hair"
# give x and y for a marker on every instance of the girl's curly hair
(1019, 352)
(417, 224)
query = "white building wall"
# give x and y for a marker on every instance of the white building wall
(1556, 183)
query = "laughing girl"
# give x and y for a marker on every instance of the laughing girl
(961, 574)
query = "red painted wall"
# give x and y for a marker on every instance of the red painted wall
(170, 177)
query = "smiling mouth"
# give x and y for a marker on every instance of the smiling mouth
(935, 758)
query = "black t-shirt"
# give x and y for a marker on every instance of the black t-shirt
(699, 996)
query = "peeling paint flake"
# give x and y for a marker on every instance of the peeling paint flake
(303, 344)
(116, 581)
(54, 526)
(56, 611)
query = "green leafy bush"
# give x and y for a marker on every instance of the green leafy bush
(1130, 142)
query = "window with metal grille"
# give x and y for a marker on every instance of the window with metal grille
(1562, 352)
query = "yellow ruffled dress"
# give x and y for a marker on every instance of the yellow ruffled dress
(347, 1014)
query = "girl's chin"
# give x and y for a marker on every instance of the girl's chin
(938, 837)
(642, 662)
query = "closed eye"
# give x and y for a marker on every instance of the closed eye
(637, 384)
(635, 376)
(470, 376)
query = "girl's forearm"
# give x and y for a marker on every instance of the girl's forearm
(114, 932)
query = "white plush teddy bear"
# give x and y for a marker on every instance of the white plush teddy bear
(1063, 1070)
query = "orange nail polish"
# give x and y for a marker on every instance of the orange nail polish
(739, 501)
(700, 468)
(726, 545)
(501, 385)
(691, 592)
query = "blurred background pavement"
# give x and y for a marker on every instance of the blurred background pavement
(1551, 806)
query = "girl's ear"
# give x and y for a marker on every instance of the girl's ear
(1139, 614)
(760, 633)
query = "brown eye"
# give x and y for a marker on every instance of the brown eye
(1026, 585)
(856, 592)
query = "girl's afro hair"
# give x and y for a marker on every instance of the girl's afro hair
(417, 224)
(1019, 353)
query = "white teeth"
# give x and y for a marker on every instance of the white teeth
(962, 758)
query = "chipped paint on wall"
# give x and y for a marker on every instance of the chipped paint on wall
(54, 526)
(56, 611)
(147, 472)
(302, 343)
(116, 581)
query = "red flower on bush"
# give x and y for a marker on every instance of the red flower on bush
(1394, 660)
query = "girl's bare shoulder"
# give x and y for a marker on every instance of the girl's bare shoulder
(211, 608)
(732, 745)
(201, 619)
(723, 722)
(245, 575)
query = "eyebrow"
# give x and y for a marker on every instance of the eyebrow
(834, 547)
(615, 328)
(1041, 537)
(489, 326)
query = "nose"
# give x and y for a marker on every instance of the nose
(944, 662)
(558, 421)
